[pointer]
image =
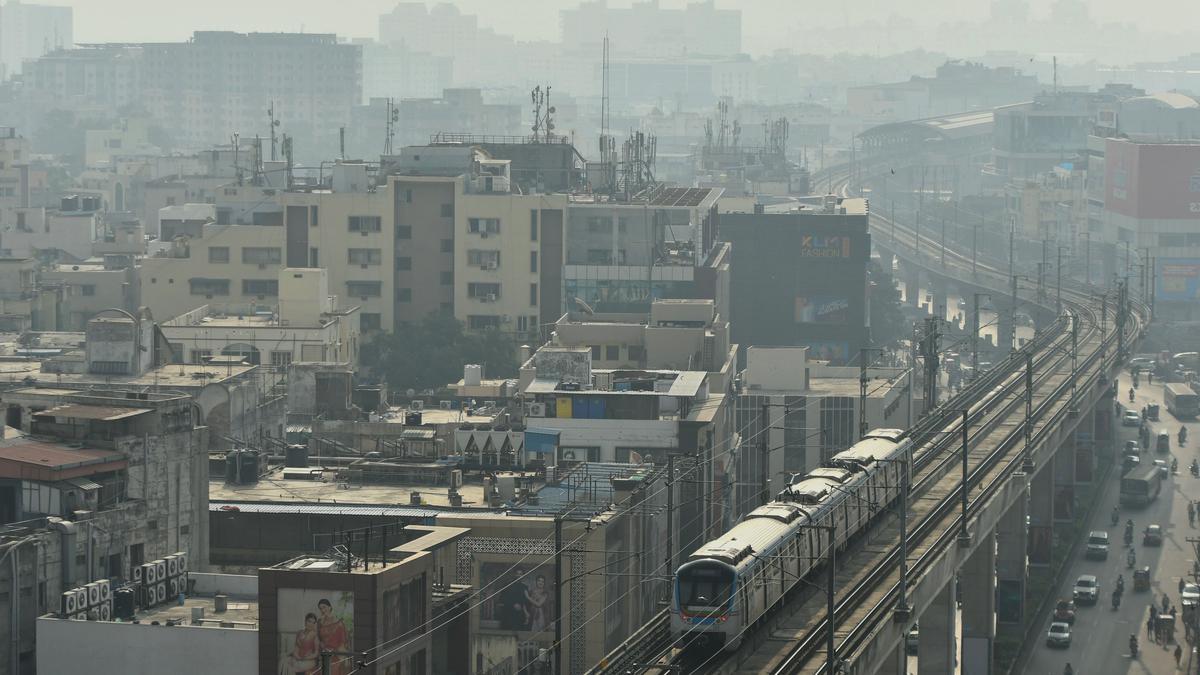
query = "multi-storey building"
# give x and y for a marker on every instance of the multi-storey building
(219, 83)
(28, 31)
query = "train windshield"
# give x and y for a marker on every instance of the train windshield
(705, 586)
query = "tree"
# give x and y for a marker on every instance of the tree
(888, 326)
(432, 353)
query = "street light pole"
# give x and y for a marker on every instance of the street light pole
(902, 611)
(1027, 462)
(1058, 282)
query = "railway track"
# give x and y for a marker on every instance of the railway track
(870, 576)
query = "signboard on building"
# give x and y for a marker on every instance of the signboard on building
(1178, 279)
(311, 621)
(823, 246)
(821, 309)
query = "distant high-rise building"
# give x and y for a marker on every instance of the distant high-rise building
(647, 29)
(29, 31)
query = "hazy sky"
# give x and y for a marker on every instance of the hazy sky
(145, 20)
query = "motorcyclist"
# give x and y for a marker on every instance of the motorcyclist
(1116, 599)
(1131, 558)
(1182, 435)
(1131, 394)
(1068, 670)
(1116, 516)
(1133, 645)
(1120, 583)
(1195, 468)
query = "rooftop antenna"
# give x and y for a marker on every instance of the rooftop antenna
(287, 154)
(604, 100)
(393, 116)
(237, 167)
(273, 123)
(543, 112)
(342, 143)
(1055, 67)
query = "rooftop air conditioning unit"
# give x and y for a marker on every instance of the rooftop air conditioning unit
(446, 405)
(506, 319)
(536, 409)
(69, 605)
(490, 297)
(491, 265)
(416, 404)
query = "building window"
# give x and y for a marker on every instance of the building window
(312, 216)
(314, 258)
(447, 278)
(522, 324)
(447, 246)
(364, 223)
(533, 224)
(364, 289)
(281, 359)
(87, 289)
(533, 296)
(260, 287)
(635, 353)
(599, 256)
(403, 295)
(612, 353)
(224, 215)
(218, 254)
(482, 291)
(595, 352)
(404, 231)
(209, 287)
(533, 262)
(483, 321)
(364, 256)
(403, 263)
(262, 255)
(408, 196)
(447, 210)
(483, 259)
(483, 225)
(368, 321)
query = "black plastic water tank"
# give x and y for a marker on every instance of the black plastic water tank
(297, 456)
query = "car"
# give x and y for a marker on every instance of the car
(913, 640)
(1131, 418)
(1064, 610)
(1059, 634)
(1162, 442)
(1164, 469)
(1191, 595)
(1132, 448)
(1097, 545)
(1087, 589)
(1130, 463)
(1153, 536)
(1142, 362)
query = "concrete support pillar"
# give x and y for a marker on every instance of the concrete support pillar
(1004, 327)
(939, 290)
(1064, 483)
(1041, 513)
(979, 609)
(936, 654)
(895, 664)
(1011, 570)
(912, 284)
(1085, 448)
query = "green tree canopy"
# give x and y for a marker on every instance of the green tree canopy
(431, 354)
(888, 325)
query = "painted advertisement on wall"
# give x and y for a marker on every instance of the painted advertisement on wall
(517, 598)
(824, 309)
(823, 246)
(310, 622)
(1152, 180)
(1178, 279)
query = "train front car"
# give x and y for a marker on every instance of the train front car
(704, 615)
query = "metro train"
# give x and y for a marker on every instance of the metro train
(728, 584)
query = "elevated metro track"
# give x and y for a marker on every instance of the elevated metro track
(792, 639)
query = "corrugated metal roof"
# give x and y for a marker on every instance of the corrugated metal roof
(324, 509)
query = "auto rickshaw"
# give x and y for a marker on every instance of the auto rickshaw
(1152, 412)
(1163, 442)
(1164, 628)
(1141, 579)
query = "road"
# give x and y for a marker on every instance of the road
(1100, 643)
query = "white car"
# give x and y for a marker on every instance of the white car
(1131, 418)
(1191, 595)
(1087, 589)
(1059, 634)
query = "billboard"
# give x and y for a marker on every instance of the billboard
(1178, 279)
(518, 599)
(310, 622)
(1152, 180)
(825, 309)
(834, 351)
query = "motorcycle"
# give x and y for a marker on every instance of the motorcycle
(1120, 584)
(1131, 559)
(1131, 395)
(1129, 536)
(1116, 600)
(1182, 435)
(1116, 517)
(1133, 646)
(1174, 467)
(1195, 469)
